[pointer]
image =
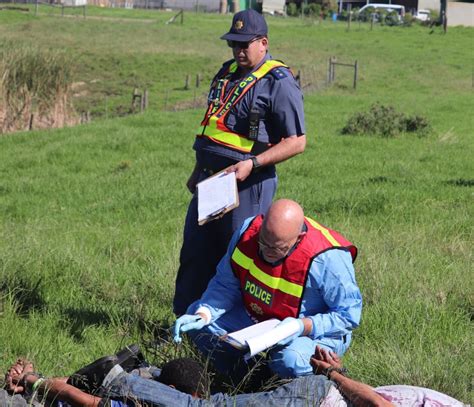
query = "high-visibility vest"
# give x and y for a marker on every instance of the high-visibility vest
(277, 291)
(213, 126)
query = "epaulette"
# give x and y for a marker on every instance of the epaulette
(280, 73)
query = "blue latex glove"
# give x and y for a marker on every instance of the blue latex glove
(187, 323)
(291, 338)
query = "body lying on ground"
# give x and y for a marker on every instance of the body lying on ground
(183, 382)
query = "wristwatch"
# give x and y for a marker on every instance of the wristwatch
(255, 164)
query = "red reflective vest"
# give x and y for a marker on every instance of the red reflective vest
(276, 291)
(214, 127)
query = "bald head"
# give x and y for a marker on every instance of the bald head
(281, 229)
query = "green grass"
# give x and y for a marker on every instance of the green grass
(92, 216)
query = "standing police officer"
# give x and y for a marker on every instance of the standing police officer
(254, 120)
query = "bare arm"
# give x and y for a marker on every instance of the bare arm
(360, 394)
(56, 389)
(20, 376)
(286, 148)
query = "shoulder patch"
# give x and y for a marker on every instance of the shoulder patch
(280, 73)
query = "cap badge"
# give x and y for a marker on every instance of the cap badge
(239, 24)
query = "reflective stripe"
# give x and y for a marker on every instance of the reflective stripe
(267, 67)
(230, 138)
(210, 126)
(273, 282)
(324, 231)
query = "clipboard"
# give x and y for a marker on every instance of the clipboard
(217, 195)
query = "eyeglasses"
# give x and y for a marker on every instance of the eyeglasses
(282, 251)
(241, 44)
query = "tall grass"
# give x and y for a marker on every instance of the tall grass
(34, 88)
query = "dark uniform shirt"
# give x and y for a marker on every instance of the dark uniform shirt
(279, 100)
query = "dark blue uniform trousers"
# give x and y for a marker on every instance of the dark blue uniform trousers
(204, 246)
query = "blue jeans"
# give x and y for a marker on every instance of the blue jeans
(287, 361)
(301, 392)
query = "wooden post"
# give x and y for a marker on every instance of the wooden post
(30, 124)
(62, 10)
(333, 71)
(36, 8)
(349, 17)
(84, 11)
(372, 21)
(88, 116)
(135, 96)
(186, 83)
(182, 16)
(355, 74)
(145, 99)
(329, 71)
(198, 80)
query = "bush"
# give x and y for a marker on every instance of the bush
(366, 15)
(314, 9)
(408, 19)
(384, 121)
(292, 10)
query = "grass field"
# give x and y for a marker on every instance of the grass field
(91, 217)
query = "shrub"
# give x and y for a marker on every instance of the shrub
(314, 9)
(384, 121)
(292, 10)
(408, 19)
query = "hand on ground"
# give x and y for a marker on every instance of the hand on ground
(16, 373)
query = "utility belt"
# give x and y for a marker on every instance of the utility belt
(262, 170)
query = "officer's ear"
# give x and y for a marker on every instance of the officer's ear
(265, 41)
(300, 236)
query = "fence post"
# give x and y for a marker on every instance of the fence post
(145, 99)
(349, 11)
(198, 80)
(355, 74)
(135, 96)
(333, 70)
(62, 10)
(329, 71)
(186, 83)
(84, 11)
(36, 8)
(182, 16)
